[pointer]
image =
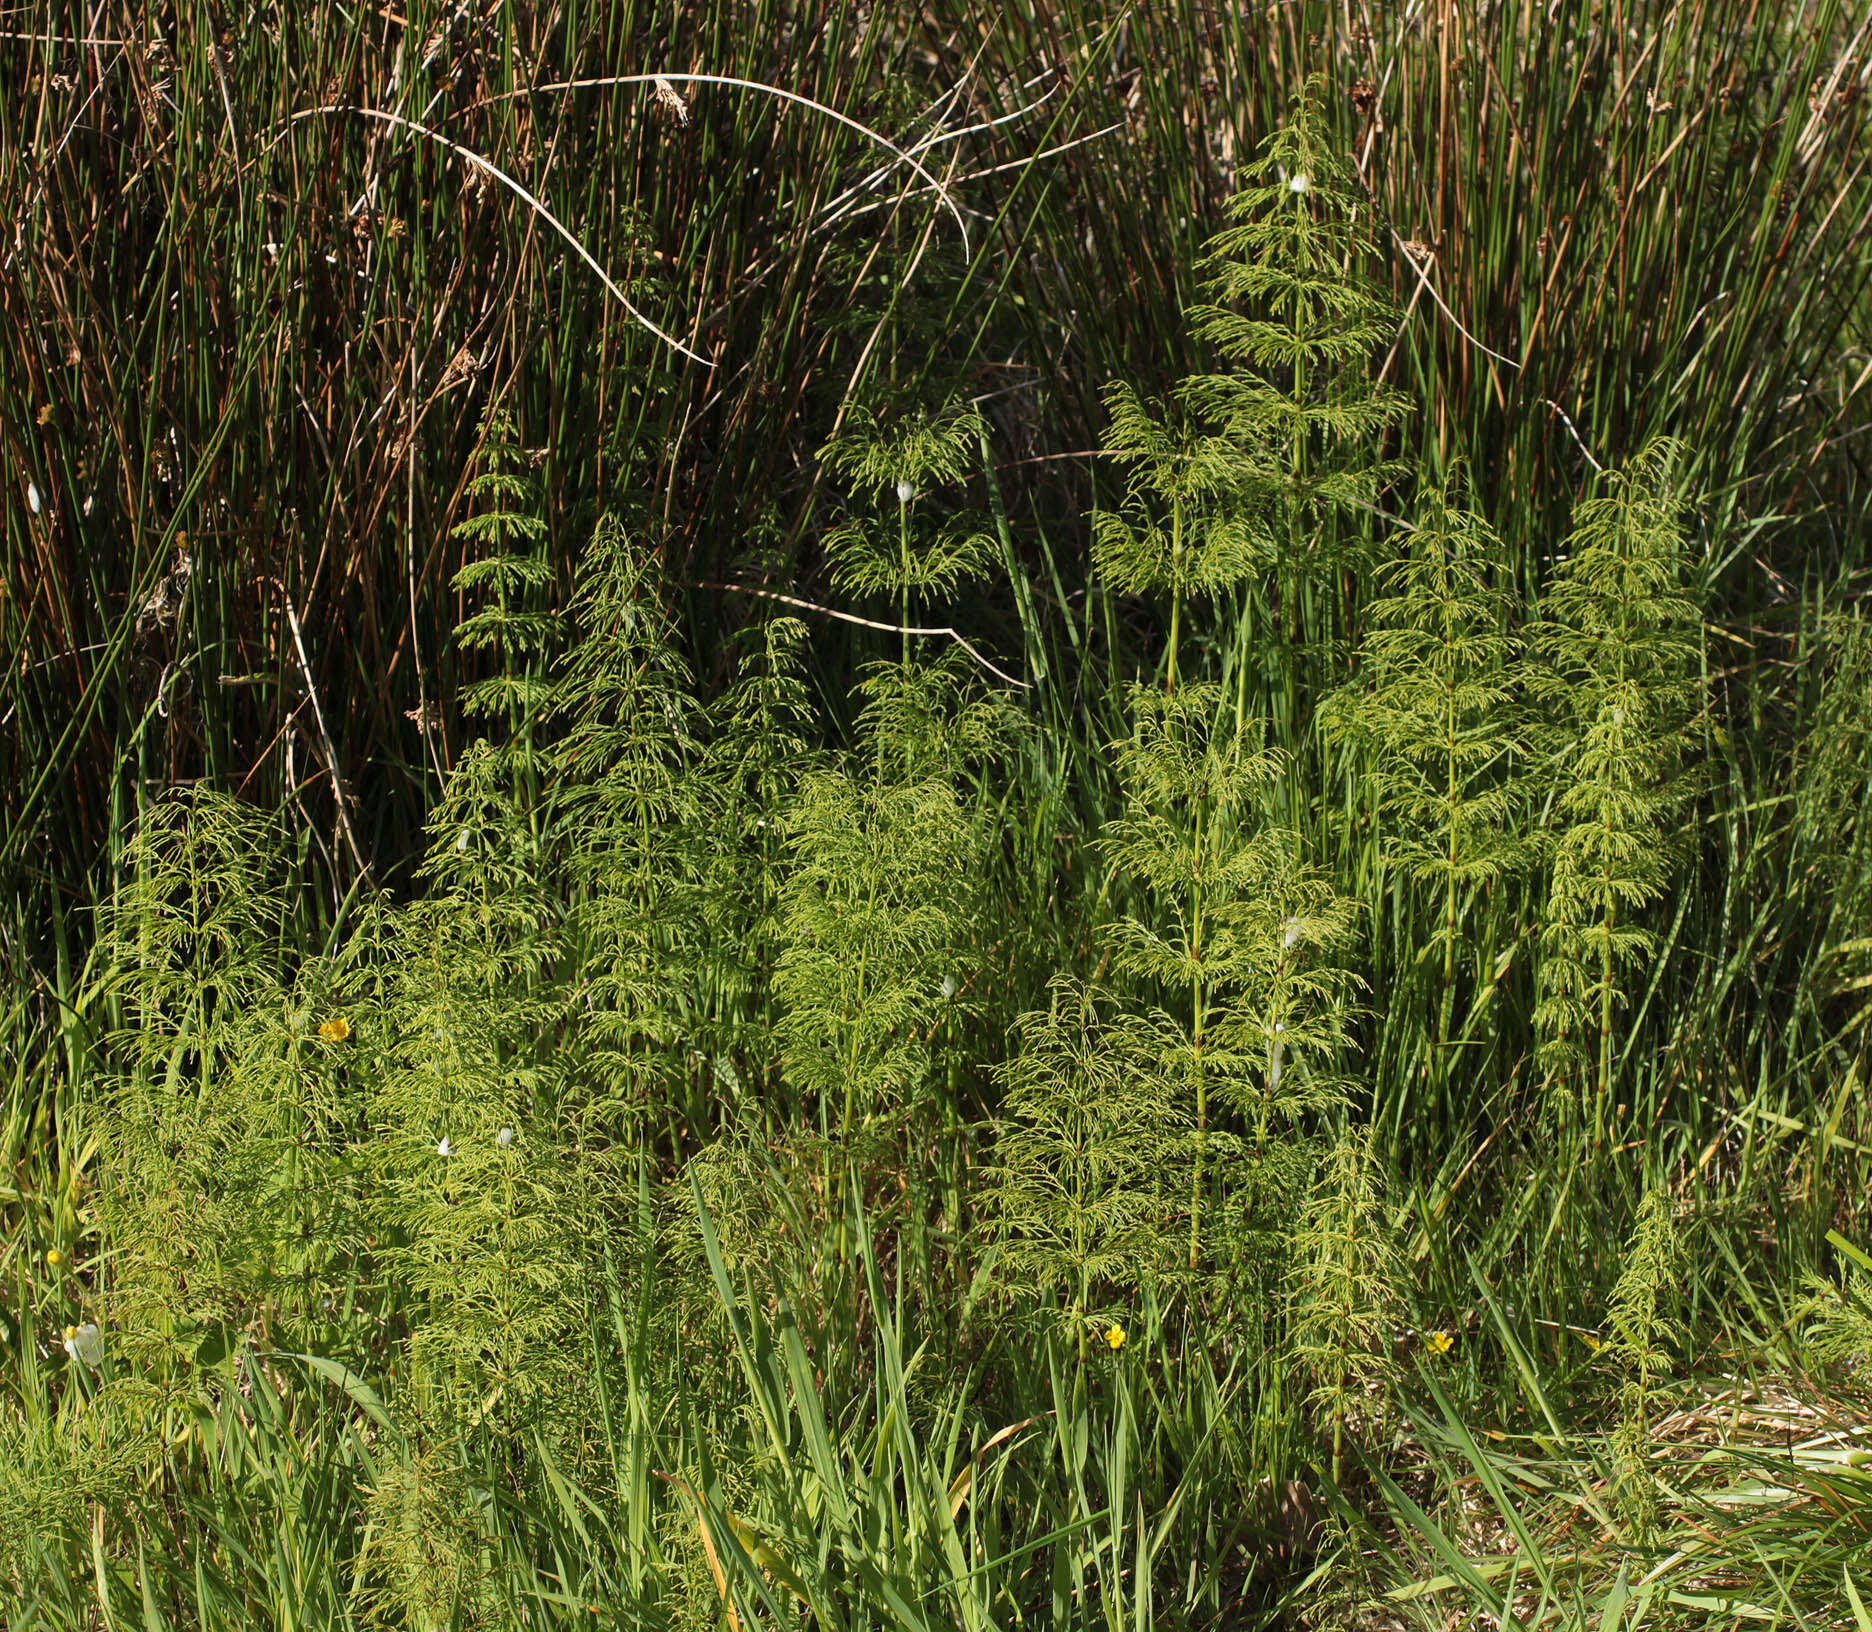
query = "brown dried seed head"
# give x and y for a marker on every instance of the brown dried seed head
(669, 101)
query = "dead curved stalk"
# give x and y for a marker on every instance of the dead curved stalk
(341, 795)
(469, 156)
(871, 623)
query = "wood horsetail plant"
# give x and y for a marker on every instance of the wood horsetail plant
(1246, 471)
(1289, 297)
(894, 463)
(698, 1197)
(876, 919)
(1271, 464)
(512, 566)
(1086, 1141)
(1842, 1311)
(1618, 648)
(1638, 1347)
(486, 1168)
(1435, 713)
(638, 817)
(1344, 1290)
(1183, 529)
(1234, 929)
(1291, 306)
(221, 1214)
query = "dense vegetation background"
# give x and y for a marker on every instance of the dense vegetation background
(966, 815)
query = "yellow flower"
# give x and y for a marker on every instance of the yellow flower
(54, 1257)
(1115, 1338)
(336, 1029)
(1440, 1342)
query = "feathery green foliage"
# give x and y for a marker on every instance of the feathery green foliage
(1619, 652)
(1842, 1334)
(1289, 297)
(511, 567)
(1077, 1201)
(876, 954)
(222, 1212)
(1638, 1348)
(1247, 471)
(894, 464)
(425, 1564)
(1344, 1291)
(1184, 528)
(1238, 934)
(1433, 717)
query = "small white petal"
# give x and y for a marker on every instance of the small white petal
(462, 842)
(85, 1343)
(504, 1139)
(905, 492)
(1299, 183)
(445, 1148)
(32, 498)
(949, 986)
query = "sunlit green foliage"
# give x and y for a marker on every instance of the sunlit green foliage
(888, 550)
(1184, 528)
(1842, 1312)
(1639, 1348)
(877, 904)
(1238, 937)
(1344, 1292)
(1618, 644)
(428, 1561)
(1248, 471)
(509, 571)
(1433, 714)
(224, 1209)
(1290, 298)
(1078, 1203)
